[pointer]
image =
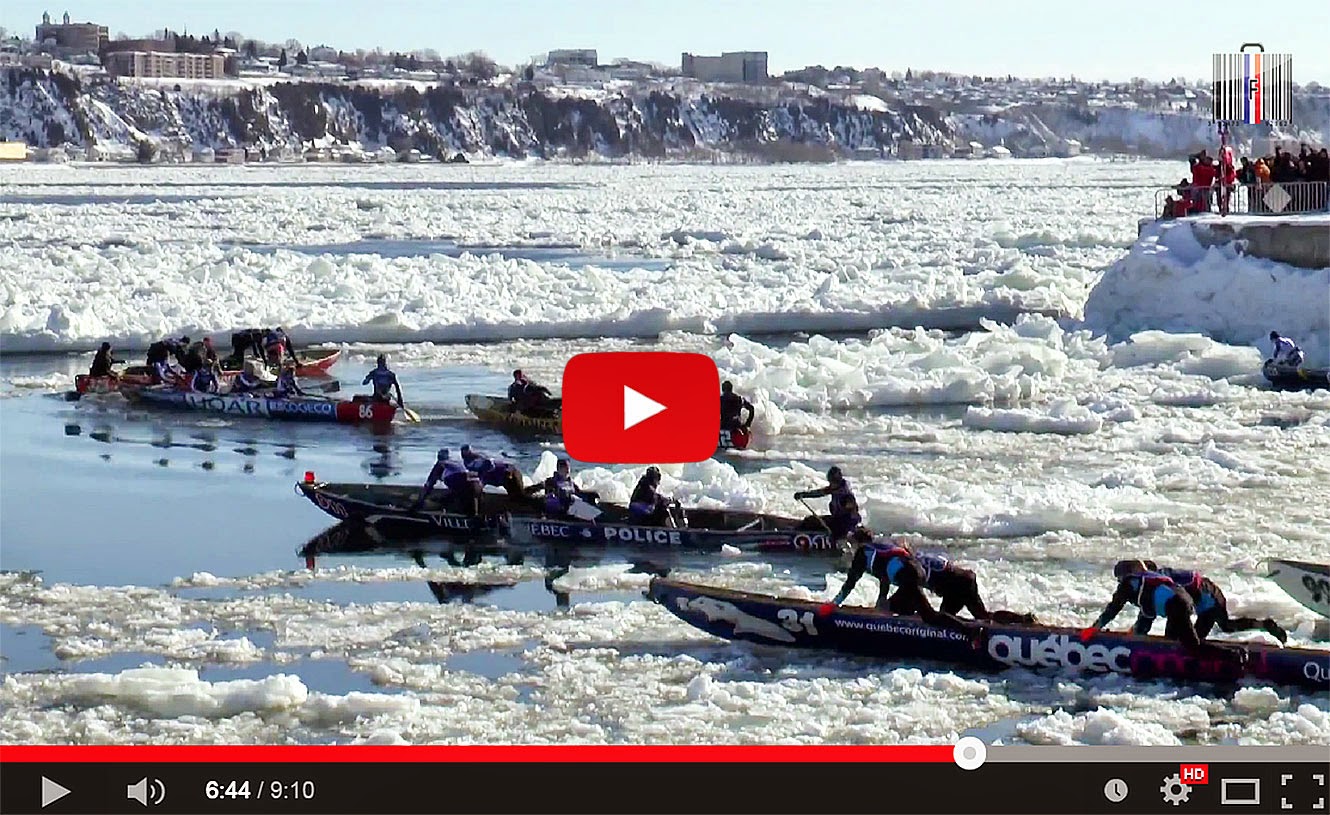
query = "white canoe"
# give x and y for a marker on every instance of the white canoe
(1308, 583)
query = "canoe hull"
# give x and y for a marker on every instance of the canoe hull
(498, 411)
(794, 623)
(535, 530)
(1308, 583)
(1300, 379)
(295, 409)
(389, 507)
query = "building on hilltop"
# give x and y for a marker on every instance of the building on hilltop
(731, 66)
(154, 64)
(573, 56)
(76, 37)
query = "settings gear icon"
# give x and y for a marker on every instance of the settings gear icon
(1175, 792)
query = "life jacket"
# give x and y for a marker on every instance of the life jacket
(204, 381)
(286, 383)
(644, 493)
(1195, 584)
(843, 503)
(1153, 591)
(894, 557)
(933, 565)
(559, 493)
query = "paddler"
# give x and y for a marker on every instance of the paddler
(286, 383)
(1156, 596)
(958, 589)
(530, 397)
(732, 406)
(1211, 605)
(494, 473)
(276, 345)
(385, 381)
(463, 490)
(159, 359)
(647, 506)
(843, 511)
(561, 490)
(102, 362)
(248, 380)
(893, 564)
(1286, 354)
(204, 380)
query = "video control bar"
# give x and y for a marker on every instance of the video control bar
(1024, 788)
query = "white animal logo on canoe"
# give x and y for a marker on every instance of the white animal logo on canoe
(743, 622)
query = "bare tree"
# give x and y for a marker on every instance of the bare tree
(478, 64)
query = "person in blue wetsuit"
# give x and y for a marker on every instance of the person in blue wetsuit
(463, 489)
(560, 490)
(287, 386)
(1156, 596)
(647, 506)
(1211, 605)
(1286, 354)
(958, 589)
(493, 473)
(248, 380)
(893, 564)
(843, 513)
(203, 380)
(385, 381)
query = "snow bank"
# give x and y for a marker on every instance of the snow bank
(1170, 282)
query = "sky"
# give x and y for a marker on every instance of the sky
(1114, 40)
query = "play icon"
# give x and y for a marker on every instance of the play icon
(51, 792)
(638, 408)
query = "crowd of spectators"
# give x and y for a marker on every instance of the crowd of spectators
(1217, 184)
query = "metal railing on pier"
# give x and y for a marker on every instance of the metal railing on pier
(1283, 198)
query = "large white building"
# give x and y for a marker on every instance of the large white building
(166, 64)
(731, 66)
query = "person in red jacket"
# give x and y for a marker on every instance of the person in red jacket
(1202, 179)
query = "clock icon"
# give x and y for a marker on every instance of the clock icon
(1116, 790)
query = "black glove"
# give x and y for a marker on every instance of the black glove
(798, 496)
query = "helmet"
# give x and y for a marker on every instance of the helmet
(466, 448)
(562, 464)
(184, 340)
(383, 359)
(1124, 568)
(727, 387)
(653, 473)
(1274, 335)
(834, 475)
(443, 454)
(518, 375)
(106, 346)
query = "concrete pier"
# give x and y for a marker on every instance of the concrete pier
(1299, 240)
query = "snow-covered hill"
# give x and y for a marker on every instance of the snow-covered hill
(50, 109)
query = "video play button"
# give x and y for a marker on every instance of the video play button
(638, 408)
(51, 792)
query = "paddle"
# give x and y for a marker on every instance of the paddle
(815, 515)
(411, 415)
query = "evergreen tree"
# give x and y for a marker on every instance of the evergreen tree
(302, 58)
(281, 60)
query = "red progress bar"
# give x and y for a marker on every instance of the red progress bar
(939, 753)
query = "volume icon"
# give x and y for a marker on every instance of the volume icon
(146, 791)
